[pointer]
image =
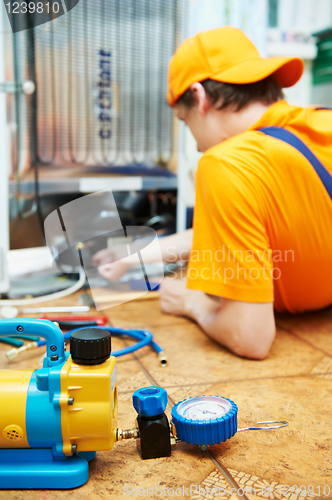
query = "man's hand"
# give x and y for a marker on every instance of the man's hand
(110, 262)
(108, 255)
(246, 328)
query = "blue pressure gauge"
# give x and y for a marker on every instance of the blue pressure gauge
(205, 420)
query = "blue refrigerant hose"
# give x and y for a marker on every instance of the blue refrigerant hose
(144, 338)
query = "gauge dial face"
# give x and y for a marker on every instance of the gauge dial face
(204, 408)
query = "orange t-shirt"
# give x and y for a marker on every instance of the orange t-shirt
(263, 218)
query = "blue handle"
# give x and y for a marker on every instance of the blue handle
(41, 327)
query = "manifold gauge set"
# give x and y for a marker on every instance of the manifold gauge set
(54, 419)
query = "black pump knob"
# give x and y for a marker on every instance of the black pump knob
(90, 346)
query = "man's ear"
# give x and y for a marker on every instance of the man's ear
(200, 96)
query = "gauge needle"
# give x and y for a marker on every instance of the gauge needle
(207, 411)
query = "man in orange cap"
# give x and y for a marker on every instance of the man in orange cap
(262, 233)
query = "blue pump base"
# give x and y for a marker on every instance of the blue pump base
(36, 469)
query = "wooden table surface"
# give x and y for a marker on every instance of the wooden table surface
(294, 383)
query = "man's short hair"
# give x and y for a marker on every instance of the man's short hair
(236, 96)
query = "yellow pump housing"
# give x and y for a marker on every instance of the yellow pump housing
(13, 398)
(90, 423)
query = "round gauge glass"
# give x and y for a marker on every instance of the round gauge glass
(204, 408)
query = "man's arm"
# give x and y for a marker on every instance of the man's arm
(176, 246)
(247, 329)
(173, 248)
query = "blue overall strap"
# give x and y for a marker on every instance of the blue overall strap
(291, 139)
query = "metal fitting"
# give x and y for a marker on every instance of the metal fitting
(13, 353)
(173, 429)
(127, 434)
(203, 447)
(27, 87)
(162, 359)
(173, 441)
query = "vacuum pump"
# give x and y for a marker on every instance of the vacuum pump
(54, 419)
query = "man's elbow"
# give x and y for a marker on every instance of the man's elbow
(253, 351)
(253, 343)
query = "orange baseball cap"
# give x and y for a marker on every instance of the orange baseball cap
(226, 55)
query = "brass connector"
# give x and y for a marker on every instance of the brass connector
(173, 429)
(173, 441)
(162, 359)
(127, 434)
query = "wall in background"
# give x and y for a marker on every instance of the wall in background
(306, 16)
(291, 25)
(251, 17)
